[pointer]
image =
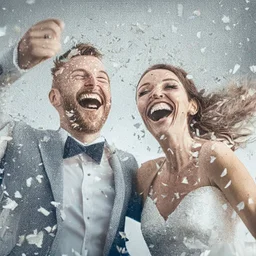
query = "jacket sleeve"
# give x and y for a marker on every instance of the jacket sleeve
(135, 203)
(6, 127)
(9, 69)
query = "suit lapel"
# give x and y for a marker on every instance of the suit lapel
(118, 202)
(52, 155)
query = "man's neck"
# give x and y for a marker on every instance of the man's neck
(82, 136)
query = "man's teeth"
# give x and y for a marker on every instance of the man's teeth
(160, 106)
(92, 106)
(90, 96)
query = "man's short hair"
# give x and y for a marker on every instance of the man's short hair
(78, 50)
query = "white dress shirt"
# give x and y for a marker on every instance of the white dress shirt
(88, 199)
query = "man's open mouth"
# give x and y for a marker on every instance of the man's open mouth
(89, 100)
(159, 111)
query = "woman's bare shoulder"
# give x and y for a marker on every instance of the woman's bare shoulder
(147, 171)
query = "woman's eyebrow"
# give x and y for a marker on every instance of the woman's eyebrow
(145, 84)
(169, 79)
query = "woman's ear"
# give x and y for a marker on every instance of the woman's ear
(55, 97)
(193, 109)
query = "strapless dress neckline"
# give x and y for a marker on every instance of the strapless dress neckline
(202, 219)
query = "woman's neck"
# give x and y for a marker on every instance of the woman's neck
(178, 149)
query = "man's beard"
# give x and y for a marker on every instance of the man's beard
(89, 125)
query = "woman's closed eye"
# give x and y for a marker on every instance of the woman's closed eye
(170, 86)
(141, 93)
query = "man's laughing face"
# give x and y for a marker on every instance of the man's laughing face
(85, 93)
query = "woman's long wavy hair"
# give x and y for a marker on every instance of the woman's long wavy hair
(226, 116)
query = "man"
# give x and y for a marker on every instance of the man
(63, 192)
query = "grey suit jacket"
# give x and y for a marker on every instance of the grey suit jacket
(33, 179)
(32, 168)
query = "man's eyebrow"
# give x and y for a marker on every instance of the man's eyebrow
(105, 73)
(79, 69)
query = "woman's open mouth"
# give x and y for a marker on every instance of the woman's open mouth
(90, 101)
(159, 111)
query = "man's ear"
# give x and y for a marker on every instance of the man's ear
(55, 97)
(193, 109)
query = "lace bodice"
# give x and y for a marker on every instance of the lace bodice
(202, 219)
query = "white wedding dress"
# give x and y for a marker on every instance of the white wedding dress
(203, 218)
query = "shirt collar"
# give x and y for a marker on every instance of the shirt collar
(64, 134)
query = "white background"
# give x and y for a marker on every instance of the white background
(206, 38)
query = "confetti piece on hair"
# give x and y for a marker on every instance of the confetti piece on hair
(59, 72)
(177, 195)
(162, 137)
(224, 173)
(240, 206)
(228, 184)
(169, 149)
(189, 76)
(185, 180)
(164, 184)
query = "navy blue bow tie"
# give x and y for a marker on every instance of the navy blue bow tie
(73, 148)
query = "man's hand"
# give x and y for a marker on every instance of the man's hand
(41, 42)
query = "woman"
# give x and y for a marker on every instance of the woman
(197, 194)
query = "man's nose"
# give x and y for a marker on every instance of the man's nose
(91, 81)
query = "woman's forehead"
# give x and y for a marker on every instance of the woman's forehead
(158, 75)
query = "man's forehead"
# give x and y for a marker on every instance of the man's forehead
(85, 62)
